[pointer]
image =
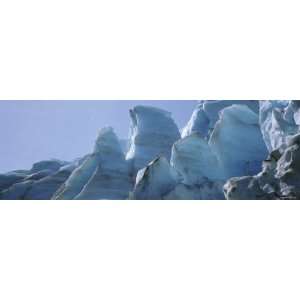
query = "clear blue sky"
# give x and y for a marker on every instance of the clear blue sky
(31, 131)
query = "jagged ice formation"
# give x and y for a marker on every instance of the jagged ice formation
(228, 149)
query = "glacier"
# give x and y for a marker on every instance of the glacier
(237, 141)
(104, 174)
(206, 114)
(155, 180)
(193, 158)
(152, 132)
(228, 149)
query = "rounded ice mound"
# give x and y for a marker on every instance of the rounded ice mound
(8, 179)
(206, 114)
(152, 133)
(51, 164)
(214, 107)
(237, 141)
(193, 159)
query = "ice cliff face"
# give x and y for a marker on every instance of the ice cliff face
(228, 149)
(193, 158)
(237, 141)
(152, 133)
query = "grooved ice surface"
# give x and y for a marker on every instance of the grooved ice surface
(153, 132)
(237, 141)
(193, 158)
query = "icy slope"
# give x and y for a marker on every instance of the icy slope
(102, 175)
(110, 179)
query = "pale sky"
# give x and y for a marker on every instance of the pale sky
(31, 131)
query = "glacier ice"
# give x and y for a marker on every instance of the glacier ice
(47, 186)
(207, 190)
(111, 179)
(194, 173)
(8, 179)
(198, 123)
(78, 178)
(213, 108)
(52, 165)
(17, 190)
(206, 114)
(193, 158)
(155, 180)
(39, 174)
(202, 176)
(152, 133)
(277, 122)
(237, 141)
(102, 175)
(227, 150)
